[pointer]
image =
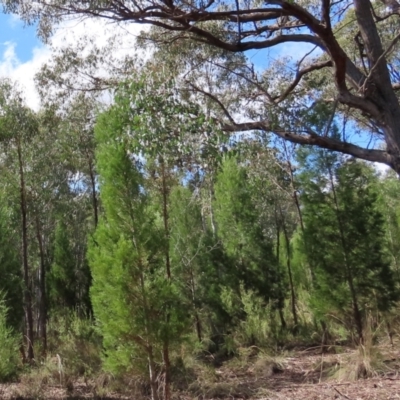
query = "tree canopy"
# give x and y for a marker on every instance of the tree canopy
(350, 70)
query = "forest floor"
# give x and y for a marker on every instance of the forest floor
(301, 374)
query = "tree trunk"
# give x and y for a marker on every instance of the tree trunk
(212, 216)
(196, 314)
(378, 85)
(148, 346)
(167, 364)
(42, 320)
(350, 279)
(289, 268)
(152, 374)
(297, 203)
(94, 196)
(278, 245)
(27, 285)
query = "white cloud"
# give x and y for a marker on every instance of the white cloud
(23, 73)
(69, 33)
(297, 51)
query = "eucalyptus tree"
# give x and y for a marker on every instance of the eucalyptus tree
(18, 125)
(77, 147)
(10, 266)
(34, 178)
(72, 192)
(365, 77)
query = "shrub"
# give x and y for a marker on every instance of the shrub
(9, 354)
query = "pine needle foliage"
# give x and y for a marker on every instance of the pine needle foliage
(251, 251)
(344, 241)
(9, 344)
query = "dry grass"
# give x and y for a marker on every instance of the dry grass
(305, 374)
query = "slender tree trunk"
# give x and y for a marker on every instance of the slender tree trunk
(167, 363)
(152, 374)
(350, 279)
(203, 218)
(212, 216)
(289, 268)
(167, 366)
(278, 245)
(297, 202)
(148, 347)
(27, 285)
(196, 314)
(293, 187)
(165, 193)
(94, 195)
(42, 320)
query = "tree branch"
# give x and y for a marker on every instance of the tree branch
(373, 155)
(299, 76)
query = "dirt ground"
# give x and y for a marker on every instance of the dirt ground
(305, 374)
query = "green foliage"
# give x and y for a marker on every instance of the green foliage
(119, 252)
(344, 241)
(251, 251)
(9, 345)
(198, 247)
(256, 328)
(137, 306)
(10, 269)
(163, 124)
(389, 205)
(76, 340)
(62, 277)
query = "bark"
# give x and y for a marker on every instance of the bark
(164, 190)
(26, 269)
(358, 319)
(148, 346)
(194, 302)
(167, 363)
(94, 195)
(212, 216)
(152, 374)
(278, 245)
(289, 268)
(42, 320)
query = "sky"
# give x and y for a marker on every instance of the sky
(22, 54)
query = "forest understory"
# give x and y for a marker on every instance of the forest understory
(341, 372)
(219, 275)
(192, 219)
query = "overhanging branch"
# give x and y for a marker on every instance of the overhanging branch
(373, 155)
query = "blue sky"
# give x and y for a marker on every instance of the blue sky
(22, 53)
(24, 38)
